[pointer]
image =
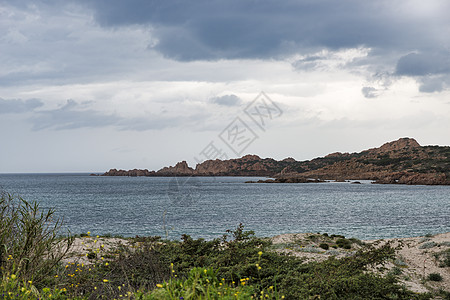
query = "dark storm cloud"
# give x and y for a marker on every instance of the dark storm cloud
(212, 30)
(420, 64)
(430, 68)
(204, 29)
(227, 100)
(15, 106)
(199, 30)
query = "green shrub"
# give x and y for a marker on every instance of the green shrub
(434, 277)
(30, 247)
(201, 284)
(324, 246)
(344, 243)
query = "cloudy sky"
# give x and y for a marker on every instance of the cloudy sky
(93, 85)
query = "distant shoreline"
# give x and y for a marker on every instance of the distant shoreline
(403, 161)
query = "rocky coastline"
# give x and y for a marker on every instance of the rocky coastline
(403, 161)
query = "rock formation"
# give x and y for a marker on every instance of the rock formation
(403, 161)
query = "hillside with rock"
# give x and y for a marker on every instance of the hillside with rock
(403, 161)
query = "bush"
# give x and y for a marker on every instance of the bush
(200, 284)
(434, 277)
(346, 278)
(344, 243)
(324, 246)
(30, 247)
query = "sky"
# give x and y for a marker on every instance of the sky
(86, 86)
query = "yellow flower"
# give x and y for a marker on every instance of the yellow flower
(105, 280)
(159, 285)
(88, 233)
(260, 253)
(56, 276)
(13, 277)
(30, 282)
(23, 290)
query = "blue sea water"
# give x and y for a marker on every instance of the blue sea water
(206, 206)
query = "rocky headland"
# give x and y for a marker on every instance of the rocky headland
(403, 161)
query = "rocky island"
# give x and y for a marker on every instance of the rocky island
(403, 161)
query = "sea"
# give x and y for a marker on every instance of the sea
(206, 207)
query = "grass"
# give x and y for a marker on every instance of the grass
(238, 265)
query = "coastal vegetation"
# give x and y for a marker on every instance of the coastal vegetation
(38, 263)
